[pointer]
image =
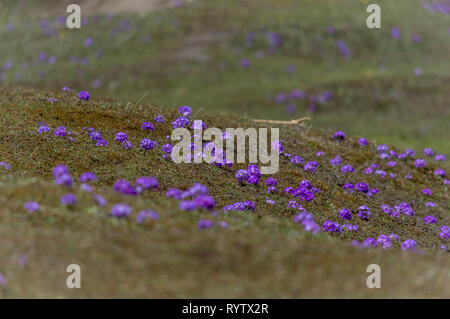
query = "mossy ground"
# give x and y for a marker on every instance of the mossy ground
(261, 254)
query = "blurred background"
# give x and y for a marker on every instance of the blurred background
(268, 59)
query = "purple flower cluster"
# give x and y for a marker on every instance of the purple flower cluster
(307, 220)
(251, 175)
(244, 206)
(364, 212)
(330, 226)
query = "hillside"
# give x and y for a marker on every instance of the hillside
(173, 251)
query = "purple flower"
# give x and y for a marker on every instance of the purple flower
(445, 232)
(127, 145)
(100, 200)
(187, 205)
(84, 95)
(362, 187)
(339, 135)
(88, 42)
(343, 49)
(429, 219)
(205, 201)
(439, 172)
(337, 160)
(61, 131)
(245, 63)
(159, 119)
(347, 169)
(296, 160)
(330, 226)
(345, 213)
(277, 146)
(349, 187)
(205, 223)
(120, 210)
(43, 128)
(427, 191)
(146, 214)
(440, 157)
(362, 141)
(147, 126)
(174, 193)
(185, 110)
(384, 241)
(147, 144)
(370, 242)
(253, 170)
(31, 206)
(143, 183)
(180, 122)
(121, 137)
(101, 142)
(60, 170)
(270, 182)
(88, 177)
(64, 179)
(68, 199)
(428, 152)
(242, 175)
(419, 163)
(430, 204)
(124, 187)
(350, 227)
(364, 212)
(409, 244)
(395, 32)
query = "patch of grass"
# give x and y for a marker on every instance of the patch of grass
(170, 257)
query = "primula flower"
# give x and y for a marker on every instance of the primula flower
(146, 214)
(409, 244)
(101, 142)
(362, 187)
(345, 213)
(147, 144)
(440, 157)
(429, 219)
(43, 128)
(174, 193)
(418, 163)
(64, 179)
(370, 242)
(270, 182)
(364, 212)
(339, 135)
(147, 126)
(296, 160)
(205, 223)
(60, 170)
(430, 204)
(277, 146)
(253, 170)
(124, 187)
(349, 187)
(143, 183)
(68, 199)
(439, 172)
(330, 226)
(427, 191)
(347, 169)
(100, 200)
(428, 152)
(31, 206)
(159, 119)
(384, 241)
(127, 145)
(337, 160)
(205, 201)
(84, 95)
(350, 227)
(363, 142)
(88, 177)
(121, 137)
(445, 232)
(120, 210)
(61, 131)
(180, 122)
(185, 110)
(310, 166)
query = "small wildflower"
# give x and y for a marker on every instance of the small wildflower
(409, 244)
(205, 223)
(339, 135)
(68, 199)
(120, 210)
(429, 219)
(121, 137)
(364, 212)
(31, 206)
(345, 213)
(363, 142)
(146, 214)
(84, 95)
(147, 126)
(88, 177)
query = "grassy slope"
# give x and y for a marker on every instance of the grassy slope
(262, 254)
(190, 55)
